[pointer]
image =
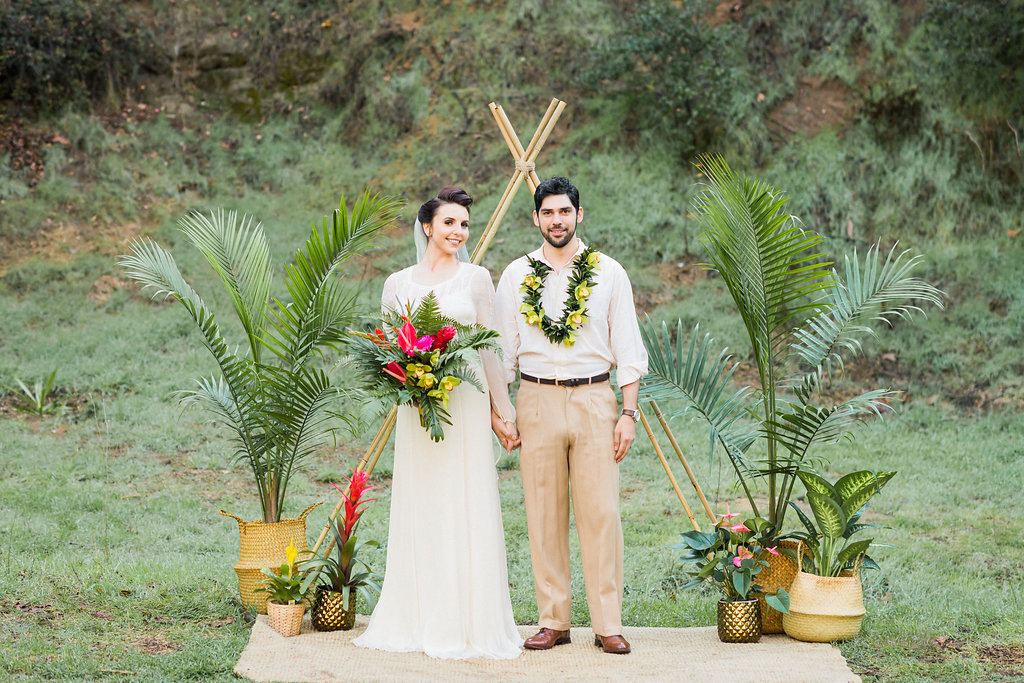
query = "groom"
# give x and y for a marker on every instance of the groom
(566, 317)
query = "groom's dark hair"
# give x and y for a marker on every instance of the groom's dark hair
(552, 186)
(447, 195)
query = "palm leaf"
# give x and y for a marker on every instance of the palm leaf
(701, 383)
(866, 293)
(238, 252)
(304, 323)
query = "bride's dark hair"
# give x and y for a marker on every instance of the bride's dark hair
(447, 195)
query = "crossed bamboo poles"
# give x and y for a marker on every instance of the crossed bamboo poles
(525, 164)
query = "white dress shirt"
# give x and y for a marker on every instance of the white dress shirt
(610, 336)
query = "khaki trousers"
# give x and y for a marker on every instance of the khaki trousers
(567, 434)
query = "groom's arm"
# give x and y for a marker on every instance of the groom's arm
(625, 427)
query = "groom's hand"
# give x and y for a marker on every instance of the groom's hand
(625, 435)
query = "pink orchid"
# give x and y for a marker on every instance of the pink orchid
(407, 338)
(396, 371)
(742, 554)
(773, 550)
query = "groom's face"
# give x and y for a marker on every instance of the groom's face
(557, 220)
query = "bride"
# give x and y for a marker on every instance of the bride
(445, 589)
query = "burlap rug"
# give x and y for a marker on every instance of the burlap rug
(659, 654)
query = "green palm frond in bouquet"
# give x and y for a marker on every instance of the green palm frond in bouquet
(418, 356)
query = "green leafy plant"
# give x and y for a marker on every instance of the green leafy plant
(729, 557)
(289, 583)
(271, 396)
(36, 399)
(837, 508)
(800, 315)
(338, 571)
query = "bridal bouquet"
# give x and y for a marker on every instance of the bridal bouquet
(418, 356)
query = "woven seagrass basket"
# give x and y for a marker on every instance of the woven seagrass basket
(823, 609)
(779, 573)
(286, 619)
(263, 545)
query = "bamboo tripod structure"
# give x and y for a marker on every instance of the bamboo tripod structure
(525, 164)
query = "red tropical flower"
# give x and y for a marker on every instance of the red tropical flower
(443, 336)
(358, 484)
(407, 338)
(396, 371)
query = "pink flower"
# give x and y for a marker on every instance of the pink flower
(443, 336)
(773, 550)
(425, 343)
(729, 515)
(407, 338)
(396, 371)
(742, 554)
(739, 526)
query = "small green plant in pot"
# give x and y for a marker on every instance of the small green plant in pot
(341, 574)
(827, 601)
(286, 589)
(729, 557)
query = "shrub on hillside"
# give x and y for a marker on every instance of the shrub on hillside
(680, 73)
(59, 52)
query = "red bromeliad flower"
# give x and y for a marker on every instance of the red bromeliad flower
(443, 336)
(379, 337)
(358, 484)
(396, 371)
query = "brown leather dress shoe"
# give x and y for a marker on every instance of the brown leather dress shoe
(546, 639)
(615, 645)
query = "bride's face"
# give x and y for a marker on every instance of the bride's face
(449, 229)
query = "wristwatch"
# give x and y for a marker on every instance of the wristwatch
(635, 414)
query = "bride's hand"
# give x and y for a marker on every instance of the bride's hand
(514, 439)
(500, 429)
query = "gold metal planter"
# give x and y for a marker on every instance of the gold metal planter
(329, 611)
(739, 621)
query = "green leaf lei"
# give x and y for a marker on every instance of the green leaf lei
(581, 285)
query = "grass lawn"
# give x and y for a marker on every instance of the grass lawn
(116, 564)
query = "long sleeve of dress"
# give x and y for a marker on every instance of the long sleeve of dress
(482, 291)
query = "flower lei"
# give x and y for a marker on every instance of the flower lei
(581, 285)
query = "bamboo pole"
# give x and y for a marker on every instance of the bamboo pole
(682, 459)
(668, 470)
(540, 136)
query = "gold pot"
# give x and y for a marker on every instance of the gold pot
(329, 611)
(739, 621)
(263, 545)
(779, 573)
(286, 619)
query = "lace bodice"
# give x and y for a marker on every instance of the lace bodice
(468, 297)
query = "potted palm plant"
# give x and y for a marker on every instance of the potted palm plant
(342, 574)
(271, 394)
(827, 600)
(801, 316)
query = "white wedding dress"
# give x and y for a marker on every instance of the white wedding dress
(445, 590)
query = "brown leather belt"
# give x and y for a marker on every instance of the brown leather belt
(574, 382)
